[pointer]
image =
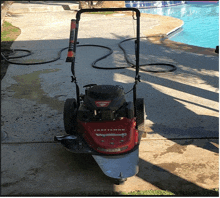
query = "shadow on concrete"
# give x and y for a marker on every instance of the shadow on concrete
(165, 180)
(181, 115)
(163, 116)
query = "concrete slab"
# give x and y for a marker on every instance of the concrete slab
(181, 145)
(37, 169)
(48, 169)
(19, 7)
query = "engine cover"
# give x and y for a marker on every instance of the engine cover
(110, 137)
(104, 97)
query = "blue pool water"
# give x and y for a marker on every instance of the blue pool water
(201, 23)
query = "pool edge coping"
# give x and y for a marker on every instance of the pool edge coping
(162, 38)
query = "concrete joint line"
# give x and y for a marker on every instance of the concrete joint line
(201, 138)
(27, 142)
(206, 138)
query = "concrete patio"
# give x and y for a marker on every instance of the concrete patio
(180, 150)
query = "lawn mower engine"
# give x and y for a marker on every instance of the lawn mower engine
(101, 122)
(106, 121)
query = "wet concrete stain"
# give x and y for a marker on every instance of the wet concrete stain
(201, 178)
(171, 167)
(179, 167)
(176, 148)
(28, 86)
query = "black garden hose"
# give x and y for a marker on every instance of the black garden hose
(173, 67)
(29, 53)
(6, 53)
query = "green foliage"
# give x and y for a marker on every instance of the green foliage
(8, 29)
(7, 24)
(149, 192)
(205, 192)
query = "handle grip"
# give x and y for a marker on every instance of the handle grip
(71, 53)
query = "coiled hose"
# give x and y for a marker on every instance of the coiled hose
(5, 54)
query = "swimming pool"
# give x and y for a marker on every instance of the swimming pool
(201, 23)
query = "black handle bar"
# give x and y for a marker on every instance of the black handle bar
(120, 9)
(106, 10)
(137, 42)
(73, 42)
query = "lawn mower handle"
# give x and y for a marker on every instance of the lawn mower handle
(73, 43)
(137, 43)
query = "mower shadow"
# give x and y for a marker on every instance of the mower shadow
(166, 112)
(176, 106)
(165, 180)
(177, 117)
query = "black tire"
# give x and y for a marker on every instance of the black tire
(140, 120)
(70, 116)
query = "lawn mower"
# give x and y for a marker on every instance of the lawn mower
(101, 122)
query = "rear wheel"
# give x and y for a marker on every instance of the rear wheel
(140, 120)
(70, 116)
